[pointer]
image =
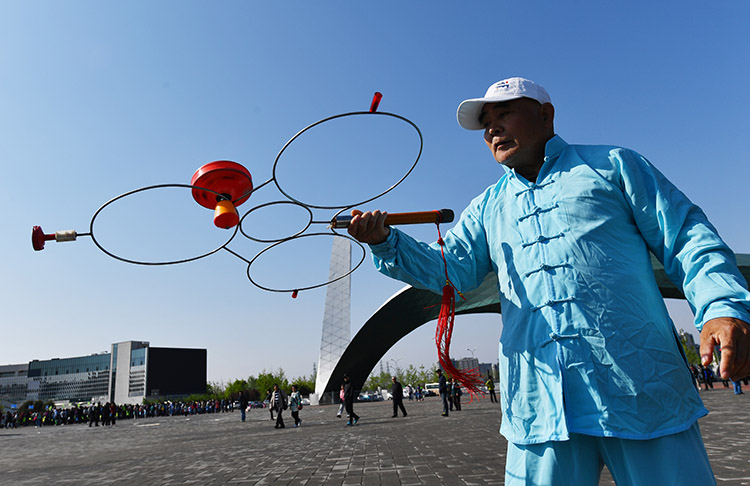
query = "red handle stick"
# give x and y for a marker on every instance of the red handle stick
(441, 216)
(38, 237)
(376, 101)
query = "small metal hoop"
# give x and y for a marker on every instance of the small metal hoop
(354, 113)
(148, 188)
(277, 240)
(299, 289)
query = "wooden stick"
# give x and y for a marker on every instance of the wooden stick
(441, 216)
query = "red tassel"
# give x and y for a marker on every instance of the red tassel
(470, 379)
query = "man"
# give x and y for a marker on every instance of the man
(349, 401)
(279, 404)
(397, 393)
(491, 387)
(444, 392)
(94, 414)
(269, 396)
(243, 405)
(591, 367)
(707, 376)
(455, 391)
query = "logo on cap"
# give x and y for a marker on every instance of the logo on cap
(502, 85)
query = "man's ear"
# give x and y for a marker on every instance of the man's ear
(548, 115)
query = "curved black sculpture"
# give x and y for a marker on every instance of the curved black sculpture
(410, 308)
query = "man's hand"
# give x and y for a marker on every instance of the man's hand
(369, 227)
(733, 337)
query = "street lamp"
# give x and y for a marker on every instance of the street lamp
(396, 362)
(471, 351)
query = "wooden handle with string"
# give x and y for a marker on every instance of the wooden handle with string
(438, 216)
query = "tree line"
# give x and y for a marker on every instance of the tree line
(257, 387)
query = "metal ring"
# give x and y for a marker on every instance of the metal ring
(142, 189)
(309, 211)
(299, 289)
(354, 113)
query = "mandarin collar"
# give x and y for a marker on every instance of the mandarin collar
(552, 149)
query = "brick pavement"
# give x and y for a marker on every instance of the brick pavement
(422, 448)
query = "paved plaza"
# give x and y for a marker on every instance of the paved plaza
(422, 448)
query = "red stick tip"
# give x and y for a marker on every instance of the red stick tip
(376, 101)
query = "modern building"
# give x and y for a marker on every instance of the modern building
(466, 363)
(131, 372)
(13, 383)
(490, 369)
(473, 363)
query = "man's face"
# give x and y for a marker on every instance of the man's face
(516, 132)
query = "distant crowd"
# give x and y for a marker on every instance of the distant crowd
(109, 413)
(706, 376)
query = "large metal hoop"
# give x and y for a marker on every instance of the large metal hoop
(354, 113)
(299, 289)
(137, 262)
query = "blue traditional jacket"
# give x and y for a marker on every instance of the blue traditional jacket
(587, 345)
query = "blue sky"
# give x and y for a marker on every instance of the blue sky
(100, 98)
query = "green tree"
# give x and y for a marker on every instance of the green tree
(378, 380)
(690, 353)
(233, 389)
(418, 376)
(305, 385)
(216, 389)
(410, 375)
(265, 381)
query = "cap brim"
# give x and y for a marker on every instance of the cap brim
(469, 110)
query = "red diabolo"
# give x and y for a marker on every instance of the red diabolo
(229, 179)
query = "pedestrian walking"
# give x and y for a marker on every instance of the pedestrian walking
(269, 396)
(456, 393)
(397, 395)
(243, 405)
(490, 383)
(444, 391)
(295, 405)
(341, 405)
(278, 404)
(349, 401)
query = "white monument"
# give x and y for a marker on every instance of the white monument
(336, 316)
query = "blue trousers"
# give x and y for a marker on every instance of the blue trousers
(444, 397)
(674, 460)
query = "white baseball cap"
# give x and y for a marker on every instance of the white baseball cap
(505, 90)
